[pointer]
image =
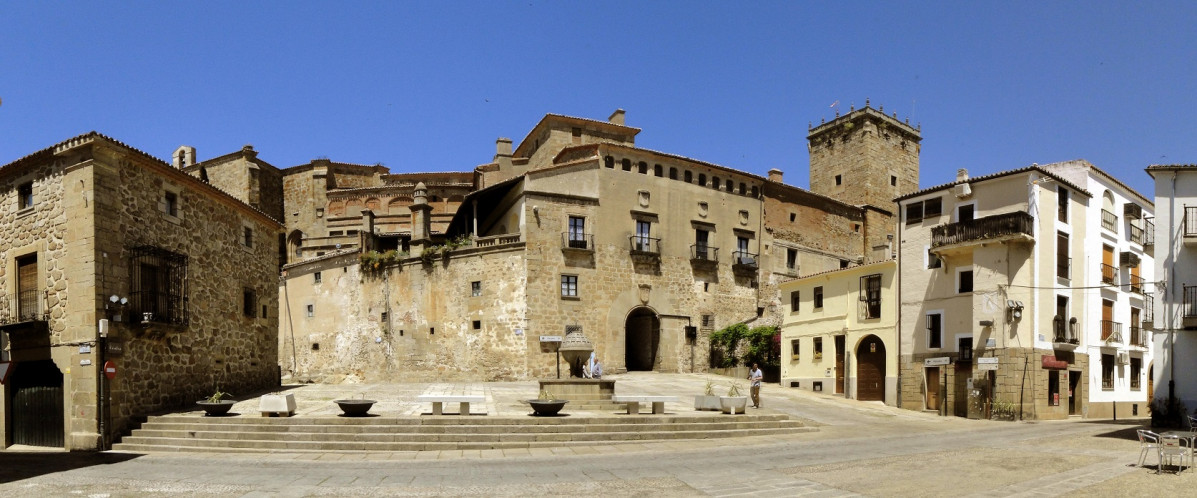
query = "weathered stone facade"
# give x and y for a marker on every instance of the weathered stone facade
(103, 221)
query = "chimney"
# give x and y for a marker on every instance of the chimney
(366, 234)
(961, 174)
(775, 175)
(616, 117)
(183, 157)
(502, 147)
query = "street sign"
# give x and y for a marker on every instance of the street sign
(110, 369)
(982, 361)
(934, 362)
(550, 338)
(114, 347)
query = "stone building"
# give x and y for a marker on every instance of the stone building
(647, 252)
(108, 254)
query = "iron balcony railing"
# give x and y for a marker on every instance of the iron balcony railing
(644, 245)
(1148, 232)
(1136, 284)
(1111, 331)
(1064, 267)
(1149, 310)
(989, 227)
(1109, 221)
(744, 259)
(1136, 233)
(1109, 274)
(1190, 221)
(1138, 336)
(703, 252)
(29, 309)
(1064, 331)
(1190, 301)
(577, 240)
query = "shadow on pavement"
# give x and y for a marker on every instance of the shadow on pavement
(1128, 432)
(18, 465)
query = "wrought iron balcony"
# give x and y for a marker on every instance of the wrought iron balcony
(29, 309)
(1136, 284)
(1109, 221)
(993, 228)
(1111, 331)
(1135, 234)
(1065, 330)
(642, 245)
(577, 241)
(1190, 302)
(1190, 224)
(1148, 232)
(1138, 337)
(744, 263)
(1109, 274)
(703, 253)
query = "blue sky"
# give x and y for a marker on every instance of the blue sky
(428, 86)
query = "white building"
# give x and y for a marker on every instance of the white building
(1176, 298)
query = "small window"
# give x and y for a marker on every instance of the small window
(715, 182)
(477, 324)
(431, 330)
(932, 207)
(311, 310)
(1062, 204)
(791, 259)
(263, 311)
(569, 286)
(818, 348)
(383, 317)
(933, 260)
(964, 281)
(708, 321)
(577, 135)
(476, 288)
(794, 349)
(687, 176)
(25, 195)
(642, 167)
(893, 181)
(315, 346)
(171, 204)
(839, 179)
(609, 161)
(743, 189)
(870, 296)
(247, 236)
(934, 330)
(856, 227)
(702, 180)
(965, 212)
(658, 170)
(626, 164)
(249, 303)
(794, 301)
(818, 297)
(317, 277)
(673, 173)
(914, 212)
(793, 216)
(727, 186)
(843, 263)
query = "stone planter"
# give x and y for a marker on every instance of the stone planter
(547, 407)
(707, 402)
(216, 408)
(732, 404)
(277, 404)
(355, 407)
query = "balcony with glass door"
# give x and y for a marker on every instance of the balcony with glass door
(1111, 331)
(703, 254)
(1007, 227)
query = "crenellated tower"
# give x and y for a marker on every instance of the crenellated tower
(864, 157)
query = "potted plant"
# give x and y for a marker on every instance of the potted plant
(734, 400)
(216, 404)
(708, 400)
(546, 404)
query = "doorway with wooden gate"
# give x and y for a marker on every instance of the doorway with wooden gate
(839, 364)
(36, 405)
(931, 381)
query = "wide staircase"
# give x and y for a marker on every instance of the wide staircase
(430, 433)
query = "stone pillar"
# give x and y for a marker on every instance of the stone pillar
(421, 220)
(366, 234)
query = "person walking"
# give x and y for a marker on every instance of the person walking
(755, 376)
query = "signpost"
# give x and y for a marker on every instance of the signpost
(545, 341)
(935, 362)
(984, 364)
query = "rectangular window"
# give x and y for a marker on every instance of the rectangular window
(839, 179)
(159, 280)
(249, 301)
(818, 348)
(870, 296)
(893, 181)
(477, 324)
(577, 232)
(933, 260)
(171, 206)
(476, 288)
(934, 330)
(263, 315)
(794, 301)
(791, 259)
(643, 235)
(914, 213)
(317, 277)
(247, 236)
(1107, 372)
(932, 207)
(794, 349)
(311, 310)
(569, 286)
(1063, 262)
(743, 257)
(701, 249)
(964, 281)
(965, 212)
(25, 195)
(1136, 367)
(708, 322)
(28, 302)
(818, 297)
(1062, 204)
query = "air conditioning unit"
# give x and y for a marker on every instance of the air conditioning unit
(962, 190)
(1123, 358)
(1128, 258)
(1132, 211)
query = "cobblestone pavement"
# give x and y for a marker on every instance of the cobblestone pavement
(861, 449)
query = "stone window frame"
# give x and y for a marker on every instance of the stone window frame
(569, 286)
(316, 278)
(25, 198)
(246, 236)
(795, 301)
(249, 302)
(310, 310)
(164, 207)
(476, 288)
(937, 344)
(972, 283)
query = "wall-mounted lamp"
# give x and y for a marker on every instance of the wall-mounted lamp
(117, 304)
(1015, 308)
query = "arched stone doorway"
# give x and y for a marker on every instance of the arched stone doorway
(294, 245)
(870, 369)
(642, 333)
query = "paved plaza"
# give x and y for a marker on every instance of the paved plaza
(860, 449)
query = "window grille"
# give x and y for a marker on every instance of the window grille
(159, 283)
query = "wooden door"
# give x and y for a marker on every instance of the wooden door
(870, 370)
(1108, 270)
(1107, 319)
(839, 364)
(932, 379)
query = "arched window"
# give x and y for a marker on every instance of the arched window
(643, 167)
(743, 188)
(715, 182)
(609, 161)
(688, 177)
(754, 192)
(657, 171)
(673, 173)
(728, 186)
(702, 180)
(627, 164)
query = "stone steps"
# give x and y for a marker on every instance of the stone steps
(425, 433)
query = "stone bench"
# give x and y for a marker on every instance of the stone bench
(438, 400)
(634, 402)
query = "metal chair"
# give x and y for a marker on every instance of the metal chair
(1148, 441)
(1192, 423)
(1173, 449)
